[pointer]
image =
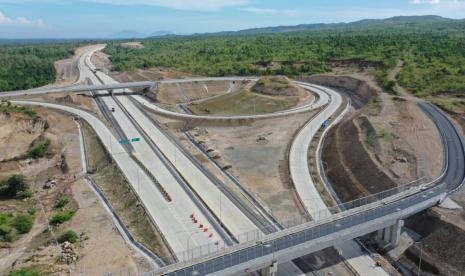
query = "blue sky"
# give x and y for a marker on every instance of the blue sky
(100, 18)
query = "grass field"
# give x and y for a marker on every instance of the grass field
(244, 102)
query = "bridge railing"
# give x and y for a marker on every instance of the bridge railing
(335, 212)
(196, 258)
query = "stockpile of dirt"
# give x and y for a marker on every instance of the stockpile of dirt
(67, 99)
(275, 86)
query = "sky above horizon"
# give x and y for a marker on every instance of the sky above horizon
(102, 18)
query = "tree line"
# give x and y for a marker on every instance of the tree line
(24, 67)
(434, 61)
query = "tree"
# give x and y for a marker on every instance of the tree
(15, 186)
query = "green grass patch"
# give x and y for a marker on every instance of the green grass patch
(69, 236)
(39, 148)
(244, 103)
(12, 226)
(274, 82)
(62, 202)
(8, 108)
(62, 217)
(456, 105)
(25, 272)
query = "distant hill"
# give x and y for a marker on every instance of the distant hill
(398, 21)
(161, 33)
(127, 34)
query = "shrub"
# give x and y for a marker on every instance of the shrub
(25, 272)
(23, 223)
(62, 202)
(69, 236)
(15, 185)
(62, 217)
(40, 149)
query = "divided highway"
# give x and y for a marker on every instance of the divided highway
(184, 233)
(236, 220)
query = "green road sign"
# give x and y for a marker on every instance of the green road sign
(124, 141)
(135, 139)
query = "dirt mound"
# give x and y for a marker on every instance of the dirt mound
(68, 99)
(275, 86)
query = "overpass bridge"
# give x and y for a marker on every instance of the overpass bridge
(382, 212)
(80, 88)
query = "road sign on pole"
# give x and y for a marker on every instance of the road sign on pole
(124, 141)
(135, 139)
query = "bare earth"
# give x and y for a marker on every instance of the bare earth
(104, 250)
(260, 165)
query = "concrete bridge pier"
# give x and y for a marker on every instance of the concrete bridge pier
(389, 236)
(271, 270)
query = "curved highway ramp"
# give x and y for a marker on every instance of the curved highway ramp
(310, 237)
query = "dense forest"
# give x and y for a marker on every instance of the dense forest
(24, 67)
(434, 59)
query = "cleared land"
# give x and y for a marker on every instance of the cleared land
(172, 94)
(99, 247)
(243, 102)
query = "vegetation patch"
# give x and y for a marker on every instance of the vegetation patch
(24, 67)
(25, 272)
(244, 102)
(62, 202)
(8, 108)
(69, 236)
(15, 186)
(62, 217)
(39, 148)
(12, 226)
(453, 104)
(280, 86)
(432, 52)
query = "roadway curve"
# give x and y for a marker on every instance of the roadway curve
(323, 100)
(306, 188)
(348, 224)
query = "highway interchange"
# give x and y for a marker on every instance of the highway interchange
(196, 191)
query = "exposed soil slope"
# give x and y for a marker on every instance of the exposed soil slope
(387, 142)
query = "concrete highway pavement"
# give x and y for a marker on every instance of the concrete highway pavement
(306, 187)
(233, 219)
(181, 205)
(221, 206)
(174, 229)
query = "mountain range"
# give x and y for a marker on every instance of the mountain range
(412, 22)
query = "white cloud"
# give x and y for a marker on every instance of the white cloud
(439, 2)
(285, 12)
(194, 5)
(20, 21)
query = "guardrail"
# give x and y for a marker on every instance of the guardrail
(117, 220)
(207, 261)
